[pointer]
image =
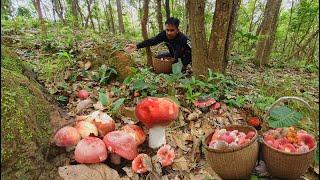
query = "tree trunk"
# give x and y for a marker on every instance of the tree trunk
(113, 30)
(252, 16)
(89, 2)
(231, 31)
(159, 16)
(75, 12)
(81, 14)
(144, 22)
(167, 8)
(289, 23)
(120, 18)
(59, 10)
(37, 6)
(53, 11)
(187, 7)
(304, 45)
(198, 39)
(105, 7)
(96, 14)
(221, 35)
(267, 34)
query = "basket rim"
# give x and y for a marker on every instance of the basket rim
(254, 139)
(288, 153)
(170, 59)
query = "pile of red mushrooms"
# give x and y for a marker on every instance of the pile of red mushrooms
(289, 140)
(223, 139)
(95, 137)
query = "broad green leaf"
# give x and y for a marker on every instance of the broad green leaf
(177, 67)
(103, 98)
(117, 104)
(283, 116)
(140, 85)
(127, 80)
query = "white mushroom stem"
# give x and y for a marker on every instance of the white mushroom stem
(157, 136)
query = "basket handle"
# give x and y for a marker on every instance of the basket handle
(291, 98)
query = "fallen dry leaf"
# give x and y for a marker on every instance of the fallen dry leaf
(98, 106)
(84, 172)
(180, 141)
(132, 175)
(87, 65)
(316, 169)
(180, 164)
(197, 177)
(193, 116)
(156, 164)
(128, 112)
(84, 104)
(153, 176)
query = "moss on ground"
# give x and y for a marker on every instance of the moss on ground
(25, 123)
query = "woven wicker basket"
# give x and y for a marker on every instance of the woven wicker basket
(282, 164)
(233, 164)
(163, 66)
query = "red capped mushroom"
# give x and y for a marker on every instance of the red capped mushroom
(136, 132)
(165, 155)
(215, 106)
(103, 122)
(86, 128)
(204, 103)
(255, 122)
(287, 148)
(67, 137)
(156, 114)
(226, 137)
(305, 139)
(90, 150)
(122, 144)
(142, 163)
(82, 94)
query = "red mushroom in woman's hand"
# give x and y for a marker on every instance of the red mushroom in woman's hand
(156, 114)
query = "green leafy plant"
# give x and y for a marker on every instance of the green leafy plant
(117, 104)
(283, 116)
(103, 98)
(104, 74)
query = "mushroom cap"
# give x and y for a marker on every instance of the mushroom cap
(254, 121)
(121, 143)
(67, 136)
(165, 155)
(142, 163)
(156, 111)
(90, 150)
(204, 102)
(86, 128)
(103, 122)
(136, 132)
(307, 139)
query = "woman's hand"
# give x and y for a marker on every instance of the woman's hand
(130, 48)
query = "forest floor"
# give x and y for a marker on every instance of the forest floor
(65, 62)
